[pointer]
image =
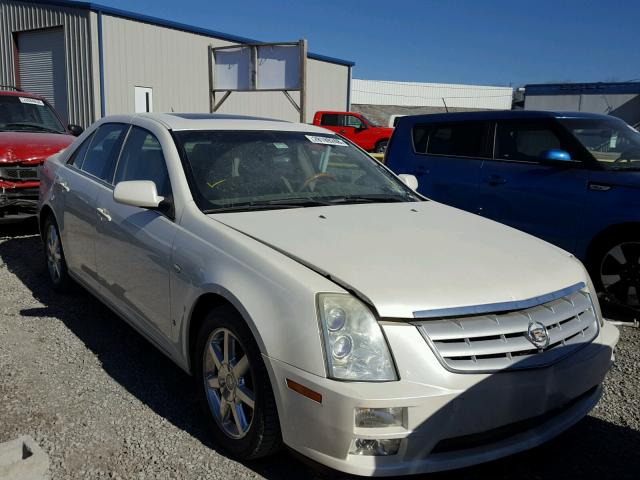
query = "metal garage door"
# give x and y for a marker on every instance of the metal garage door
(42, 66)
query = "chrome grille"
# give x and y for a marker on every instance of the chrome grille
(19, 173)
(499, 341)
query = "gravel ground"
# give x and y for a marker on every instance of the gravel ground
(104, 403)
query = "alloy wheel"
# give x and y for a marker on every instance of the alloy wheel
(620, 273)
(54, 254)
(229, 383)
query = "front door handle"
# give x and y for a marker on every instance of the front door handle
(496, 180)
(343, 131)
(104, 214)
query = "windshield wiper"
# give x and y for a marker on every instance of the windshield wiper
(8, 126)
(270, 205)
(370, 199)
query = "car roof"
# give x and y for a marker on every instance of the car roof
(496, 115)
(214, 121)
(19, 93)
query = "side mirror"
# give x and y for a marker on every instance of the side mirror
(555, 155)
(363, 126)
(137, 193)
(410, 180)
(75, 130)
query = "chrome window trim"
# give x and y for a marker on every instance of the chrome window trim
(498, 307)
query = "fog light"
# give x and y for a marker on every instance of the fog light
(381, 447)
(379, 417)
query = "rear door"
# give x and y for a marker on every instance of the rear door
(89, 171)
(133, 245)
(520, 190)
(447, 160)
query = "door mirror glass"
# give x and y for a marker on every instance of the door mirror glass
(555, 155)
(75, 130)
(410, 180)
(137, 193)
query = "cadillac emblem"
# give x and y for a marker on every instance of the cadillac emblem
(538, 335)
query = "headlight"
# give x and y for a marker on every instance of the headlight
(354, 345)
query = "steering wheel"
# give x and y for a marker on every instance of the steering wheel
(626, 155)
(317, 176)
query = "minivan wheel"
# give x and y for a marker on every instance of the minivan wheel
(381, 146)
(54, 255)
(618, 270)
(234, 386)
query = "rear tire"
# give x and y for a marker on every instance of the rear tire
(234, 386)
(615, 268)
(54, 257)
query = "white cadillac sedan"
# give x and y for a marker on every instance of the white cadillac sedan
(318, 300)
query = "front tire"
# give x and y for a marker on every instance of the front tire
(54, 256)
(615, 268)
(381, 146)
(234, 387)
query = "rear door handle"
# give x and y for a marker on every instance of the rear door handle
(104, 214)
(496, 180)
(62, 185)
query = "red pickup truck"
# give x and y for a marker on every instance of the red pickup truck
(357, 128)
(30, 131)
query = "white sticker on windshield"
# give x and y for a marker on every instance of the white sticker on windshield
(280, 146)
(326, 140)
(33, 101)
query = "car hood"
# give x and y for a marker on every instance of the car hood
(31, 147)
(408, 257)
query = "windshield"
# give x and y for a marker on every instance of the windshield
(234, 170)
(612, 142)
(27, 114)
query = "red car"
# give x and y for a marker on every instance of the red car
(357, 128)
(30, 131)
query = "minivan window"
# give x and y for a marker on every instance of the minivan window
(526, 141)
(613, 143)
(464, 139)
(101, 157)
(142, 159)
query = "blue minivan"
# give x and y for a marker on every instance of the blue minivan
(572, 179)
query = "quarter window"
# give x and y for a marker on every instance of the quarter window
(77, 157)
(100, 159)
(526, 141)
(142, 159)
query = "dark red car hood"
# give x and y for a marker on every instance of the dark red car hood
(31, 147)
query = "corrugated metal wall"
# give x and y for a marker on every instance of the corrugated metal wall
(174, 63)
(18, 16)
(381, 92)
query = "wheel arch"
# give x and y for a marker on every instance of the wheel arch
(611, 231)
(45, 212)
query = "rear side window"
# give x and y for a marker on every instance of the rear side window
(101, 156)
(142, 159)
(526, 141)
(330, 119)
(455, 139)
(77, 157)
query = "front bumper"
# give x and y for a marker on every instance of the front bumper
(451, 420)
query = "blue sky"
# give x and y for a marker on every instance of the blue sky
(491, 42)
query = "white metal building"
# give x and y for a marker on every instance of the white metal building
(89, 60)
(381, 98)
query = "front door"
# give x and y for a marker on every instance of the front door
(519, 189)
(133, 245)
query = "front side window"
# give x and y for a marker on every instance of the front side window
(25, 114)
(101, 156)
(353, 121)
(526, 141)
(268, 169)
(142, 159)
(613, 143)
